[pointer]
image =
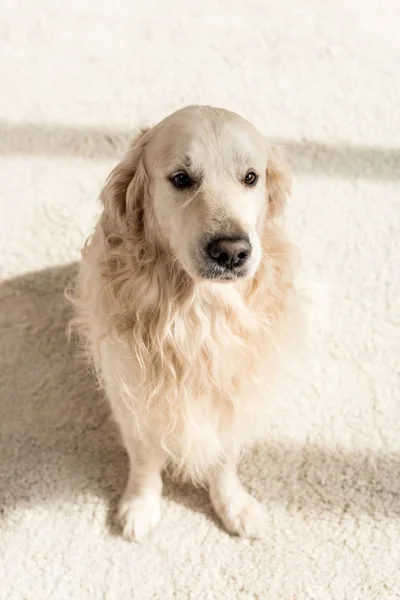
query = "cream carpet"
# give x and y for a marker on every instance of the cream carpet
(324, 78)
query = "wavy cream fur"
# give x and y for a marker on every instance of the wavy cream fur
(187, 364)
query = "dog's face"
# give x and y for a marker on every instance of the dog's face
(208, 181)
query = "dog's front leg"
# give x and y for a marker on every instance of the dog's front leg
(140, 506)
(240, 513)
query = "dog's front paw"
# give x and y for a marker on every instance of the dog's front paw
(244, 516)
(139, 516)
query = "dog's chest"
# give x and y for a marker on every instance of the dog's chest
(221, 347)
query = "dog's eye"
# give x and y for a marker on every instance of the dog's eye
(251, 178)
(181, 181)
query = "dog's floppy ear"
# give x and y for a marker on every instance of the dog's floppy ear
(125, 186)
(279, 181)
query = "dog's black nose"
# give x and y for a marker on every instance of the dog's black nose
(230, 252)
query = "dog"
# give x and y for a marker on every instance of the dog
(186, 301)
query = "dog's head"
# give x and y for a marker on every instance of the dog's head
(200, 186)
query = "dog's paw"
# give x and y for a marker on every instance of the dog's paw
(244, 516)
(138, 517)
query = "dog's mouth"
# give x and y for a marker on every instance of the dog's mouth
(217, 273)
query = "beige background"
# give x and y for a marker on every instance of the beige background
(324, 78)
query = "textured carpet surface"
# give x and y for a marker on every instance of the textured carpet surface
(324, 79)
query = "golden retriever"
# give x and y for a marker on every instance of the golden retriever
(185, 298)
